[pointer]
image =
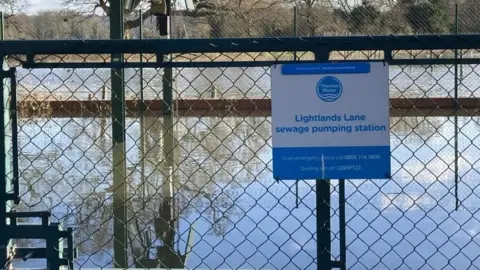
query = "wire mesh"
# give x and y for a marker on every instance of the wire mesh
(88, 19)
(200, 192)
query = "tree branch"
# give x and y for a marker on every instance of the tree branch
(103, 4)
(130, 24)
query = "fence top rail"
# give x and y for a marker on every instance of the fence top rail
(225, 45)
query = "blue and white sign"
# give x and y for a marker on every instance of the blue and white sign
(331, 121)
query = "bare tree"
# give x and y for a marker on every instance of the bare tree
(202, 8)
(14, 6)
(15, 16)
(315, 14)
(240, 18)
(94, 6)
(103, 6)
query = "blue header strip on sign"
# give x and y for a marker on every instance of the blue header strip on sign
(326, 68)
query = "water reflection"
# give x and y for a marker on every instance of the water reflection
(224, 210)
(254, 82)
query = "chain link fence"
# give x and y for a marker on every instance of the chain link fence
(200, 192)
(86, 19)
(226, 210)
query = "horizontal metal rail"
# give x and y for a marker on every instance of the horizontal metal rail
(160, 47)
(224, 45)
(225, 64)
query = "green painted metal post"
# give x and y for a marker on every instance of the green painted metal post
(343, 224)
(167, 79)
(455, 117)
(167, 89)
(5, 159)
(324, 260)
(324, 244)
(2, 26)
(169, 140)
(118, 136)
(168, 194)
(4, 184)
(164, 22)
(144, 156)
(143, 106)
(295, 29)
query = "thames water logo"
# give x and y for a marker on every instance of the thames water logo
(329, 89)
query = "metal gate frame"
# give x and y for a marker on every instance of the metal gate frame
(320, 46)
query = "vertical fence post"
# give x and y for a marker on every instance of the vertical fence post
(4, 239)
(143, 132)
(143, 106)
(143, 158)
(164, 29)
(323, 224)
(118, 137)
(295, 29)
(167, 86)
(457, 23)
(169, 144)
(455, 117)
(343, 224)
(4, 182)
(168, 191)
(164, 23)
(13, 129)
(324, 244)
(2, 26)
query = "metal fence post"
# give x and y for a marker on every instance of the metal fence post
(295, 29)
(324, 244)
(323, 224)
(2, 26)
(118, 136)
(169, 141)
(167, 88)
(343, 224)
(455, 117)
(143, 107)
(4, 183)
(167, 79)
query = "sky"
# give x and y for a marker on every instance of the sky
(37, 5)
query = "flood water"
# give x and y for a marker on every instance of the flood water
(224, 193)
(240, 216)
(252, 82)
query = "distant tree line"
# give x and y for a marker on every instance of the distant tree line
(274, 18)
(63, 24)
